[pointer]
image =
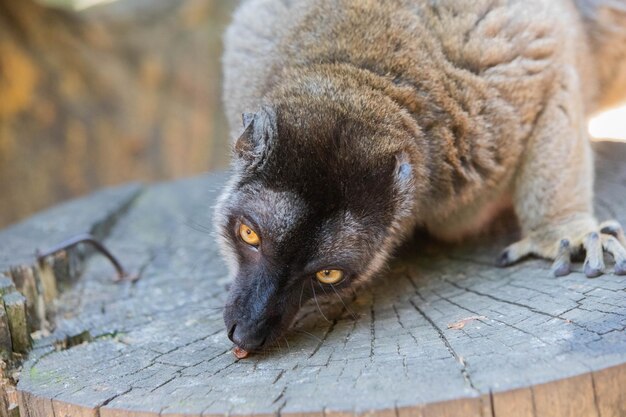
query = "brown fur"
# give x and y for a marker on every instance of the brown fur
(491, 99)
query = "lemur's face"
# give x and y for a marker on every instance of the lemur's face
(300, 220)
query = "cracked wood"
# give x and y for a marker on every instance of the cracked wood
(542, 347)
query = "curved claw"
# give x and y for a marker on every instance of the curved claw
(614, 229)
(611, 240)
(513, 253)
(562, 263)
(503, 259)
(591, 272)
(613, 246)
(594, 261)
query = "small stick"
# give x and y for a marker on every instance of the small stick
(96, 244)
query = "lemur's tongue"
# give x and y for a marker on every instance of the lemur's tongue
(240, 353)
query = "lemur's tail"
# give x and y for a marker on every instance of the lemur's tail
(605, 21)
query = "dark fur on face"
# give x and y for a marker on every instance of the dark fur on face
(321, 192)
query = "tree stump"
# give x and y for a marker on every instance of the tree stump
(444, 333)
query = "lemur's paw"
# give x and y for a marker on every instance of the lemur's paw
(608, 238)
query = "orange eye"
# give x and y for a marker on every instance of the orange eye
(329, 276)
(248, 235)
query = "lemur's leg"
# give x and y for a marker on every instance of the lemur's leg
(553, 192)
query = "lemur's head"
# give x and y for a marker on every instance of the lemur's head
(315, 206)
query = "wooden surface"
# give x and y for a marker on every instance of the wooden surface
(445, 333)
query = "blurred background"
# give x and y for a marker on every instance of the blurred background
(94, 93)
(101, 92)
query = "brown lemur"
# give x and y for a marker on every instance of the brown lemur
(364, 119)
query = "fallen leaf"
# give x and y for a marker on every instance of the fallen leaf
(461, 323)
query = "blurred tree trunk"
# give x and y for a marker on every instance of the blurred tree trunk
(126, 90)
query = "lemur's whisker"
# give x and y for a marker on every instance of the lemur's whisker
(309, 334)
(317, 303)
(323, 289)
(345, 305)
(301, 292)
(288, 347)
(197, 226)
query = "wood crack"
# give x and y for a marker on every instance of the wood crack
(442, 336)
(109, 400)
(493, 297)
(321, 342)
(494, 319)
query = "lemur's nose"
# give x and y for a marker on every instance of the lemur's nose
(231, 331)
(249, 338)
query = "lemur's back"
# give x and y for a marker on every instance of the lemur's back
(508, 46)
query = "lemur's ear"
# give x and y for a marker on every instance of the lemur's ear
(247, 118)
(259, 131)
(404, 183)
(404, 170)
